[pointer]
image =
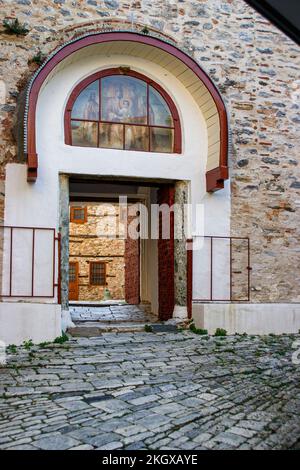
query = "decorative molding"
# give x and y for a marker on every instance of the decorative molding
(215, 178)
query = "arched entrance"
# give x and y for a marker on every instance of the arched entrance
(200, 162)
(183, 66)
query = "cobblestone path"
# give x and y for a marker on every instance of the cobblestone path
(111, 313)
(92, 320)
(153, 391)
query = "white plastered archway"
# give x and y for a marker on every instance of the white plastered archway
(38, 204)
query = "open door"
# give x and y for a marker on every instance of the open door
(166, 290)
(73, 280)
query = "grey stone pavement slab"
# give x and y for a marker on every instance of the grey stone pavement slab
(92, 320)
(152, 391)
(112, 313)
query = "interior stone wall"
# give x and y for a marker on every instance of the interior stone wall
(257, 71)
(95, 241)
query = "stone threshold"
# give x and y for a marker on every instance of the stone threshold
(93, 329)
(97, 303)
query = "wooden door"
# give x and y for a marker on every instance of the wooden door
(73, 280)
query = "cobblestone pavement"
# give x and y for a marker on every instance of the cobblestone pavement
(153, 391)
(111, 313)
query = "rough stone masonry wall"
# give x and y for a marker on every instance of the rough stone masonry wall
(95, 241)
(257, 71)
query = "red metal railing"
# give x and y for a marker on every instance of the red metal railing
(11, 252)
(234, 251)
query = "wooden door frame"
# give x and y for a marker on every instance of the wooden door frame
(138, 295)
(166, 277)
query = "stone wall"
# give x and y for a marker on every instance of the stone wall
(257, 71)
(95, 241)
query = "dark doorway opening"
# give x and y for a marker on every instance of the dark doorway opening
(126, 270)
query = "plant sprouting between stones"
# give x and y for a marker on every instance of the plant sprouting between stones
(13, 26)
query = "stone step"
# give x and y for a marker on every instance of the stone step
(96, 329)
(111, 321)
(89, 329)
(112, 315)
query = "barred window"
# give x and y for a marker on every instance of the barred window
(72, 272)
(97, 273)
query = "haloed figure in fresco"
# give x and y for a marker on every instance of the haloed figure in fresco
(125, 100)
(91, 109)
(90, 113)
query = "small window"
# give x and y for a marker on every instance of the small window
(72, 272)
(97, 273)
(78, 215)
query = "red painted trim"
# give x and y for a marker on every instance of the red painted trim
(59, 268)
(132, 264)
(32, 262)
(215, 180)
(166, 257)
(131, 73)
(32, 160)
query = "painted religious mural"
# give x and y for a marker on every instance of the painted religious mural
(122, 112)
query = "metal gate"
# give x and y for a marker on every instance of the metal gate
(218, 269)
(30, 264)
